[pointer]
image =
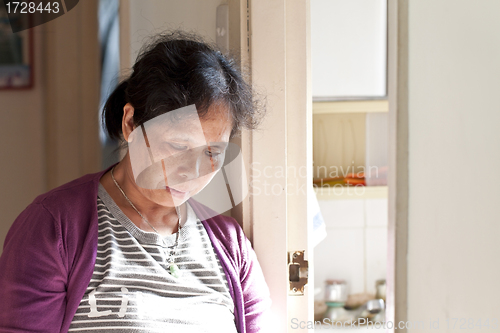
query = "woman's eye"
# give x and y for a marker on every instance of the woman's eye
(177, 146)
(212, 153)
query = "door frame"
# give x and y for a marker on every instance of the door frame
(281, 151)
(397, 268)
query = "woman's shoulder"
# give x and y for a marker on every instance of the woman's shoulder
(59, 219)
(73, 195)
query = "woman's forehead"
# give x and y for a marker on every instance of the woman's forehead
(189, 127)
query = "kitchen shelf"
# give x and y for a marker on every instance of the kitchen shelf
(351, 192)
(351, 106)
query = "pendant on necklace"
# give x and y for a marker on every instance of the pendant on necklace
(175, 271)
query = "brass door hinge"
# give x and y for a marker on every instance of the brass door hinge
(298, 271)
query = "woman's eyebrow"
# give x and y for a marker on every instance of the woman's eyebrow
(182, 138)
(188, 138)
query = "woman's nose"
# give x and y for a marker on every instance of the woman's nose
(188, 167)
(187, 172)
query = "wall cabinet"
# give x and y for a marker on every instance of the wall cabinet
(350, 141)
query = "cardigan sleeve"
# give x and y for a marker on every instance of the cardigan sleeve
(256, 295)
(32, 274)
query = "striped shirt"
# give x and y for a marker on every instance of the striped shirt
(131, 289)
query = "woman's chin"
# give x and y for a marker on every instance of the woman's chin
(169, 198)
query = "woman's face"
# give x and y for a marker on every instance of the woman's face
(184, 153)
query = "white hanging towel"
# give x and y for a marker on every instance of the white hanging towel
(319, 227)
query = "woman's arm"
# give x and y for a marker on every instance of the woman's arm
(33, 274)
(257, 300)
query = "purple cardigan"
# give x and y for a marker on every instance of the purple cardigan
(50, 251)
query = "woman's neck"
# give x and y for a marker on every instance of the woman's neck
(163, 218)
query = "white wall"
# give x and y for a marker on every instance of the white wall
(22, 145)
(454, 161)
(355, 248)
(50, 132)
(148, 17)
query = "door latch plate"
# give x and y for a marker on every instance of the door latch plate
(298, 271)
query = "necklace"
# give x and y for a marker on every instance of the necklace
(173, 268)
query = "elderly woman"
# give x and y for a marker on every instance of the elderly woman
(128, 248)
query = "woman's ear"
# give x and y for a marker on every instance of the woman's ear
(128, 121)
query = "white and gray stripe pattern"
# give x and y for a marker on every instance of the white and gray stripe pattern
(131, 289)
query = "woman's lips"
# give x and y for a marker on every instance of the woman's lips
(173, 191)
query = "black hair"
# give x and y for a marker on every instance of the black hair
(176, 69)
